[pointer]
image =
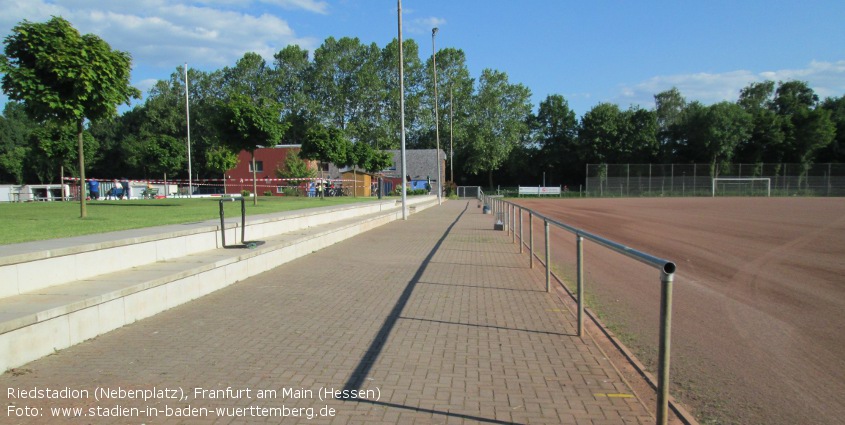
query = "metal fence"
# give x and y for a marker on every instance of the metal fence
(624, 180)
(511, 216)
(469, 191)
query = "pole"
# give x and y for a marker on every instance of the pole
(664, 354)
(531, 238)
(188, 125)
(451, 145)
(548, 258)
(402, 114)
(579, 242)
(521, 241)
(436, 117)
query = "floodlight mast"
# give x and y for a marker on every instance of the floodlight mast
(402, 115)
(436, 115)
(188, 125)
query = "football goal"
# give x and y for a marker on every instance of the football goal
(742, 186)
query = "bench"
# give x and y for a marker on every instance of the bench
(149, 193)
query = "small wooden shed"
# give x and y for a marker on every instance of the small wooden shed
(360, 180)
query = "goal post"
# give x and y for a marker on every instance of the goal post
(743, 182)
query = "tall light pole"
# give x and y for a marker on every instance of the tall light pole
(402, 115)
(188, 125)
(436, 115)
(451, 150)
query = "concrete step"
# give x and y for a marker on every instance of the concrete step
(38, 322)
(37, 265)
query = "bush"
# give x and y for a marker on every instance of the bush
(268, 193)
(245, 193)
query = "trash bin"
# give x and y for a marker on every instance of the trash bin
(486, 210)
(500, 224)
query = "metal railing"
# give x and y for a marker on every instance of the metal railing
(512, 212)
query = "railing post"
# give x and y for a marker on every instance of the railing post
(548, 258)
(531, 239)
(513, 223)
(521, 241)
(579, 242)
(505, 218)
(664, 354)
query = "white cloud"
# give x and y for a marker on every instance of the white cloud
(161, 33)
(424, 25)
(315, 6)
(825, 78)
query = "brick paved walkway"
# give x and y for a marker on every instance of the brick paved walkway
(434, 320)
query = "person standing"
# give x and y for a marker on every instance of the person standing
(125, 184)
(94, 189)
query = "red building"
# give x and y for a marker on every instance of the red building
(267, 161)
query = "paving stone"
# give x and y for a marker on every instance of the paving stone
(440, 316)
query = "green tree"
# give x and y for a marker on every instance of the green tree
(807, 128)
(248, 124)
(767, 139)
(53, 146)
(295, 168)
(835, 152)
(387, 134)
(221, 159)
(325, 144)
(251, 116)
(669, 105)
(15, 128)
(293, 70)
(640, 136)
(499, 122)
(556, 132)
(601, 133)
(60, 74)
(342, 81)
(713, 133)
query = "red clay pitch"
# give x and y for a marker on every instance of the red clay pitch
(759, 297)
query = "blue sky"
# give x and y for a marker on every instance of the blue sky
(588, 51)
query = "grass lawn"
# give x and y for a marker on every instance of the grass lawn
(32, 221)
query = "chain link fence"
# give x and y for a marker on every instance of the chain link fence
(643, 180)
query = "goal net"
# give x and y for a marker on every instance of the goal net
(742, 186)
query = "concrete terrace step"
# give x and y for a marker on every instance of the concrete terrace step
(38, 322)
(32, 266)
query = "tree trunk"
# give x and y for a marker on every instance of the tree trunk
(82, 209)
(254, 181)
(490, 180)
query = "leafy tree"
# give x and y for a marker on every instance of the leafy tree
(250, 114)
(295, 168)
(601, 133)
(669, 105)
(767, 138)
(713, 133)
(339, 85)
(498, 124)
(325, 144)
(640, 136)
(806, 127)
(556, 130)
(54, 145)
(62, 75)
(388, 134)
(221, 159)
(15, 127)
(835, 152)
(293, 71)
(247, 124)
